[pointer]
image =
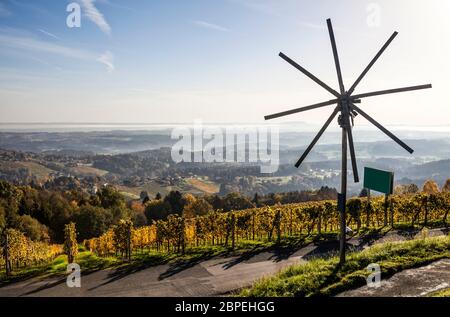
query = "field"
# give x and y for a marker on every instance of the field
(87, 171)
(194, 186)
(204, 186)
(41, 172)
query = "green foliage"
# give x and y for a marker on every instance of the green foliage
(109, 197)
(122, 237)
(176, 201)
(32, 228)
(324, 277)
(197, 207)
(157, 210)
(22, 252)
(70, 242)
(235, 201)
(92, 221)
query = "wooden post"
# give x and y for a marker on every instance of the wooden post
(342, 241)
(253, 225)
(183, 242)
(391, 209)
(368, 208)
(386, 197)
(129, 243)
(233, 229)
(6, 256)
(278, 226)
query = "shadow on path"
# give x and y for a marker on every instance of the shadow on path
(46, 286)
(181, 265)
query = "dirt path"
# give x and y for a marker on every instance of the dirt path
(409, 283)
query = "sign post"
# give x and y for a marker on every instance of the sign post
(380, 181)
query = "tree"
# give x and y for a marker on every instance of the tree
(354, 210)
(109, 197)
(176, 201)
(144, 196)
(139, 219)
(197, 207)
(446, 187)
(235, 201)
(255, 200)
(32, 228)
(430, 187)
(122, 237)
(70, 242)
(157, 210)
(12, 196)
(92, 221)
(158, 196)
(56, 213)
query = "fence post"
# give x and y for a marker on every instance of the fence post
(278, 226)
(129, 228)
(233, 229)
(253, 225)
(391, 209)
(183, 228)
(386, 198)
(6, 255)
(368, 209)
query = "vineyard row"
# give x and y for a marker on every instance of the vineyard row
(268, 223)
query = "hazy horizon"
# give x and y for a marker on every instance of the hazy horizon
(146, 62)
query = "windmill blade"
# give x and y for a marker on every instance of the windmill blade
(314, 78)
(288, 112)
(350, 91)
(352, 153)
(336, 56)
(379, 126)
(325, 126)
(391, 91)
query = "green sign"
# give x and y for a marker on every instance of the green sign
(378, 180)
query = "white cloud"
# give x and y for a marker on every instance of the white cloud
(210, 26)
(93, 14)
(107, 59)
(4, 12)
(267, 7)
(48, 33)
(22, 43)
(118, 6)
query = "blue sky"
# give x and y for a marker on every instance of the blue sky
(182, 60)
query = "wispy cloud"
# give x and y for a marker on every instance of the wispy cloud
(118, 6)
(48, 33)
(30, 44)
(107, 59)
(210, 26)
(4, 12)
(269, 7)
(314, 26)
(27, 5)
(93, 14)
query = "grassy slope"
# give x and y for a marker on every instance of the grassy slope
(442, 293)
(88, 261)
(323, 277)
